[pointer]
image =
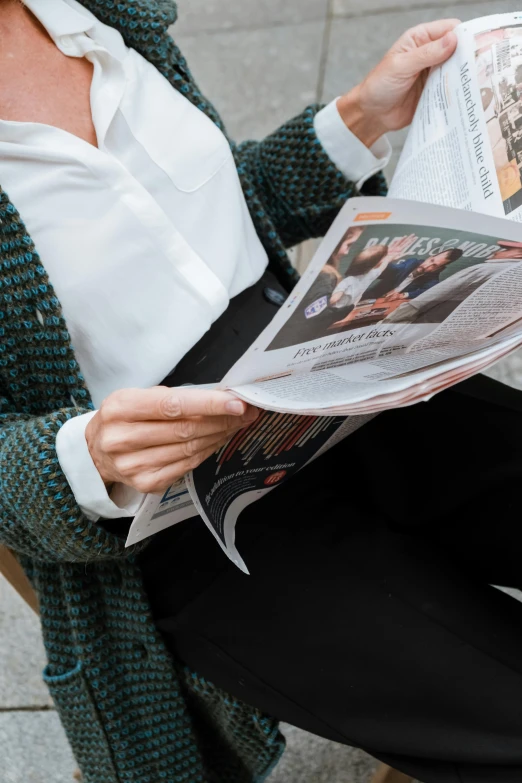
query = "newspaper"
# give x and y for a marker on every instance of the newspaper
(406, 296)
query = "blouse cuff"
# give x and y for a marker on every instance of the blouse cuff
(82, 475)
(356, 161)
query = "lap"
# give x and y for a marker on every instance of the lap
(368, 617)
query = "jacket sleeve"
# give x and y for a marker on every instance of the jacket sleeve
(298, 188)
(39, 516)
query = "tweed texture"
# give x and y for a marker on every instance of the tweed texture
(131, 713)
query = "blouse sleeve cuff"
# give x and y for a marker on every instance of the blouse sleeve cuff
(86, 483)
(356, 161)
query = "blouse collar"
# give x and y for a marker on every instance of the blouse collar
(60, 18)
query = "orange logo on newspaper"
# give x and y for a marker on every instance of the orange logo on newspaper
(275, 478)
(372, 216)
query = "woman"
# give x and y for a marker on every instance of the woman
(139, 227)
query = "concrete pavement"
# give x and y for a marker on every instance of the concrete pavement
(260, 61)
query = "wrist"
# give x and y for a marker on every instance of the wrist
(91, 437)
(366, 126)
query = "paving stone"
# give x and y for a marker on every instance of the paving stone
(203, 15)
(310, 759)
(34, 749)
(508, 370)
(357, 44)
(22, 656)
(257, 79)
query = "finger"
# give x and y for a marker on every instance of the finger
(412, 62)
(141, 435)
(162, 404)
(156, 458)
(433, 31)
(160, 480)
(423, 34)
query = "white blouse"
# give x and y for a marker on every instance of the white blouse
(145, 238)
(351, 289)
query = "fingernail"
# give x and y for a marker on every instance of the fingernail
(235, 407)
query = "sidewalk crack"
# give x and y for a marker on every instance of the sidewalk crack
(28, 708)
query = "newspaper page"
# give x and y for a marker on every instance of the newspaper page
(257, 460)
(396, 289)
(464, 147)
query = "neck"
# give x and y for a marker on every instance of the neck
(10, 11)
(15, 22)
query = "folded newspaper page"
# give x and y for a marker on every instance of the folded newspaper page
(158, 512)
(464, 147)
(256, 461)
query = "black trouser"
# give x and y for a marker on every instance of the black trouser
(368, 617)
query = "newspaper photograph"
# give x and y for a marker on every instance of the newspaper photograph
(498, 63)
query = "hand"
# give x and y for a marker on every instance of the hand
(387, 98)
(394, 296)
(149, 438)
(399, 247)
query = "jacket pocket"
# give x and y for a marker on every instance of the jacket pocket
(81, 721)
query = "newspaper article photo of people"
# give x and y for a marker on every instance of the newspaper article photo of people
(498, 60)
(400, 274)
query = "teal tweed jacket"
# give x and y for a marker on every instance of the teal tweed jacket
(131, 713)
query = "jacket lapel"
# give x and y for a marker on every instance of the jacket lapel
(142, 23)
(37, 365)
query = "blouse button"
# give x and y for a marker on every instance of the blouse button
(66, 44)
(274, 297)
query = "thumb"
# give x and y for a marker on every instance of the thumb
(433, 53)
